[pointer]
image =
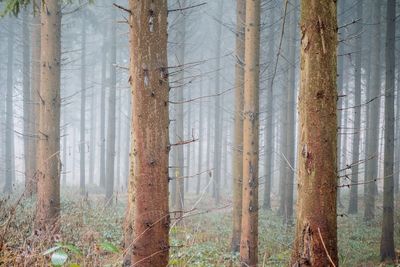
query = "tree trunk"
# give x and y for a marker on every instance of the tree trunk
(93, 135)
(111, 111)
(82, 144)
(27, 107)
(150, 120)
(373, 109)
(237, 158)
(201, 141)
(31, 187)
(249, 234)
(217, 105)
(48, 158)
(353, 205)
(102, 163)
(387, 239)
(268, 136)
(316, 238)
(290, 119)
(188, 146)
(10, 110)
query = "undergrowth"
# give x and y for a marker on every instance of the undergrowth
(91, 235)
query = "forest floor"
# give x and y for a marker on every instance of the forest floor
(92, 235)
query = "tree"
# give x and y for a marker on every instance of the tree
(9, 145)
(387, 240)
(102, 163)
(110, 160)
(217, 107)
(150, 141)
(29, 172)
(237, 158)
(353, 205)
(249, 234)
(82, 144)
(316, 238)
(48, 158)
(373, 113)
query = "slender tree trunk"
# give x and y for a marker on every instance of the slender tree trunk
(209, 127)
(150, 120)
(118, 149)
(249, 234)
(64, 149)
(82, 145)
(291, 124)
(316, 238)
(217, 105)
(93, 135)
(353, 205)
(102, 163)
(111, 112)
(268, 136)
(179, 116)
(27, 107)
(48, 158)
(201, 141)
(10, 110)
(237, 158)
(387, 239)
(188, 146)
(31, 187)
(373, 109)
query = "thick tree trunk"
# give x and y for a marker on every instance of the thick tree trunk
(353, 205)
(150, 120)
(316, 238)
(387, 239)
(237, 158)
(82, 144)
(249, 234)
(110, 160)
(48, 158)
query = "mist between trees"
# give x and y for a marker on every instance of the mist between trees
(199, 133)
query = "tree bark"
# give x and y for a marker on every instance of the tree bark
(237, 158)
(316, 238)
(201, 141)
(150, 120)
(387, 238)
(48, 158)
(102, 164)
(249, 234)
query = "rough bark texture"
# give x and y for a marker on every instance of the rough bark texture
(150, 120)
(316, 204)
(110, 159)
(237, 158)
(387, 239)
(48, 158)
(353, 205)
(249, 235)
